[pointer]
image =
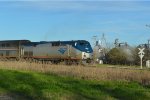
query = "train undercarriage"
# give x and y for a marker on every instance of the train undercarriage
(48, 61)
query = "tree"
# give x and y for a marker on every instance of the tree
(136, 56)
(116, 56)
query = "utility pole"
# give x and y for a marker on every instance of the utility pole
(103, 41)
(148, 43)
(103, 44)
(94, 45)
(116, 43)
(94, 40)
(148, 39)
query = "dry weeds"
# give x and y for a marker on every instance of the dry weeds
(96, 73)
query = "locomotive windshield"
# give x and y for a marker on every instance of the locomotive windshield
(83, 46)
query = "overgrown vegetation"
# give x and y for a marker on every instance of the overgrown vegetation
(42, 86)
(82, 72)
(33, 81)
(126, 56)
(116, 56)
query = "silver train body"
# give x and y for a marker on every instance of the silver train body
(59, 50)
(79, 50)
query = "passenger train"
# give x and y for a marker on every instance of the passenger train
(54, 51)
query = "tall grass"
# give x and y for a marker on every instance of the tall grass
(83, 72)
(23, 85)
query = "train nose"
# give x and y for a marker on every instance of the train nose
(87, 55)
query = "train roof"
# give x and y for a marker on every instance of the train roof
(15, 41)
(29, 43)
(63, 42)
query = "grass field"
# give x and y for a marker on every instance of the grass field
(30, 81)
(41, 86)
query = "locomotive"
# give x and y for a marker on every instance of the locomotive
(74, 51)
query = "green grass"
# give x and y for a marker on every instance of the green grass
(23, 85)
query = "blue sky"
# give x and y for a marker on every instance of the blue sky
(75, 20)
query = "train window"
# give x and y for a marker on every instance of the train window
(83, 43)
(7, 45)
(3, 45)
(28, 53)
(56, 44)
(62, 44)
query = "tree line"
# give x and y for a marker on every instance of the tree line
(125, 56)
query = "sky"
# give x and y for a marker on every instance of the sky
(54, 20)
